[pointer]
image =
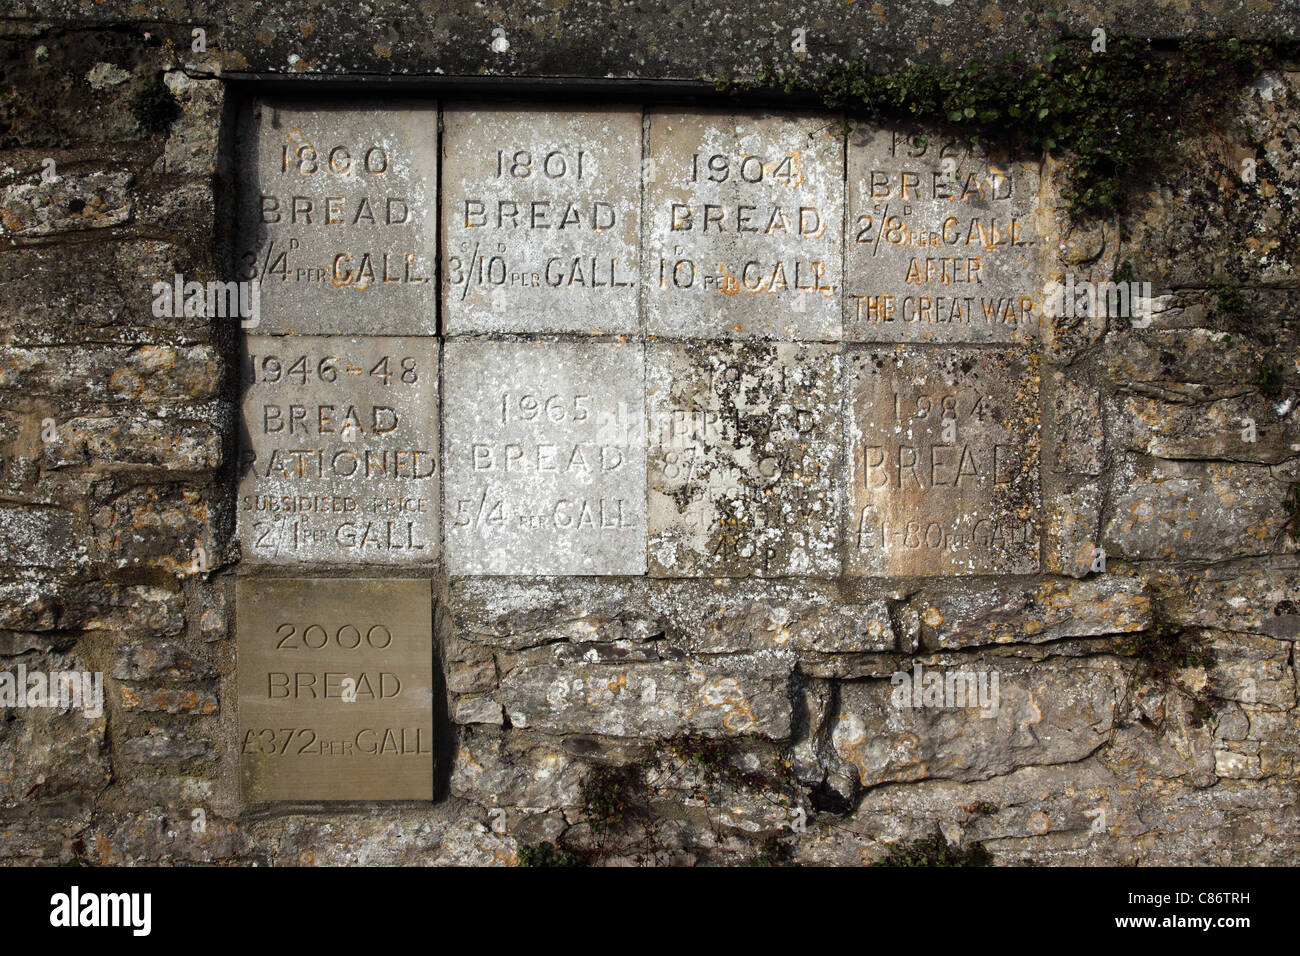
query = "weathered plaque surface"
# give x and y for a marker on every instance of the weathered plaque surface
(744, 458)
(744, 225)
(944, 461)
(338, 216)
(335, 689)
(340, 450)
(941, 242)
(544, 451)
(541, 213)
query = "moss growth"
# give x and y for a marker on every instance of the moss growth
(1268, 381)
(1117, 112)
(1164, 649)
(155, 108)
(1227, 299)
(619, 803)
(1161, 652)
(547, 854)
(715, 758)
(771, 852)
(610, 795)
(1292, 526)
(935, 851)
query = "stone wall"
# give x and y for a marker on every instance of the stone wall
(721, 686)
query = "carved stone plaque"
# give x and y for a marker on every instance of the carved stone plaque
(340, 450)
(338, 216)
(541, 219)
(744, 458)
(942, 241)
(544, 444)
(335, 689)
(944, 461)
(744, 225)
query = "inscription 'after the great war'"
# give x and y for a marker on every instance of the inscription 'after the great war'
(941, 242)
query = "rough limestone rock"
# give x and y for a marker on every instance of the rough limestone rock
(779, 523)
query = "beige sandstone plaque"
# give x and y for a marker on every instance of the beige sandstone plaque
(944, 461)
(335, 689)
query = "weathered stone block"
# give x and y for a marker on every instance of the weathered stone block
(1046, 714)
(50, 752)
(1077, 427)
(744, 459)
(1033, 613)
(494, 770)
(92, 292)
(148, 373)
(40, 537)
(1072, 529)
(147, 699)
(338, 216)
(741, 694)
(944, 461)
(1245, 428)
(167, 746)
(726, 616)
(1192, 511)
(171, 527)
(518, 613)
(1259, 600)
(193, 142)
(544, 457)
(72, 202)
(942, 243)
(156, 439)
(137, 660)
